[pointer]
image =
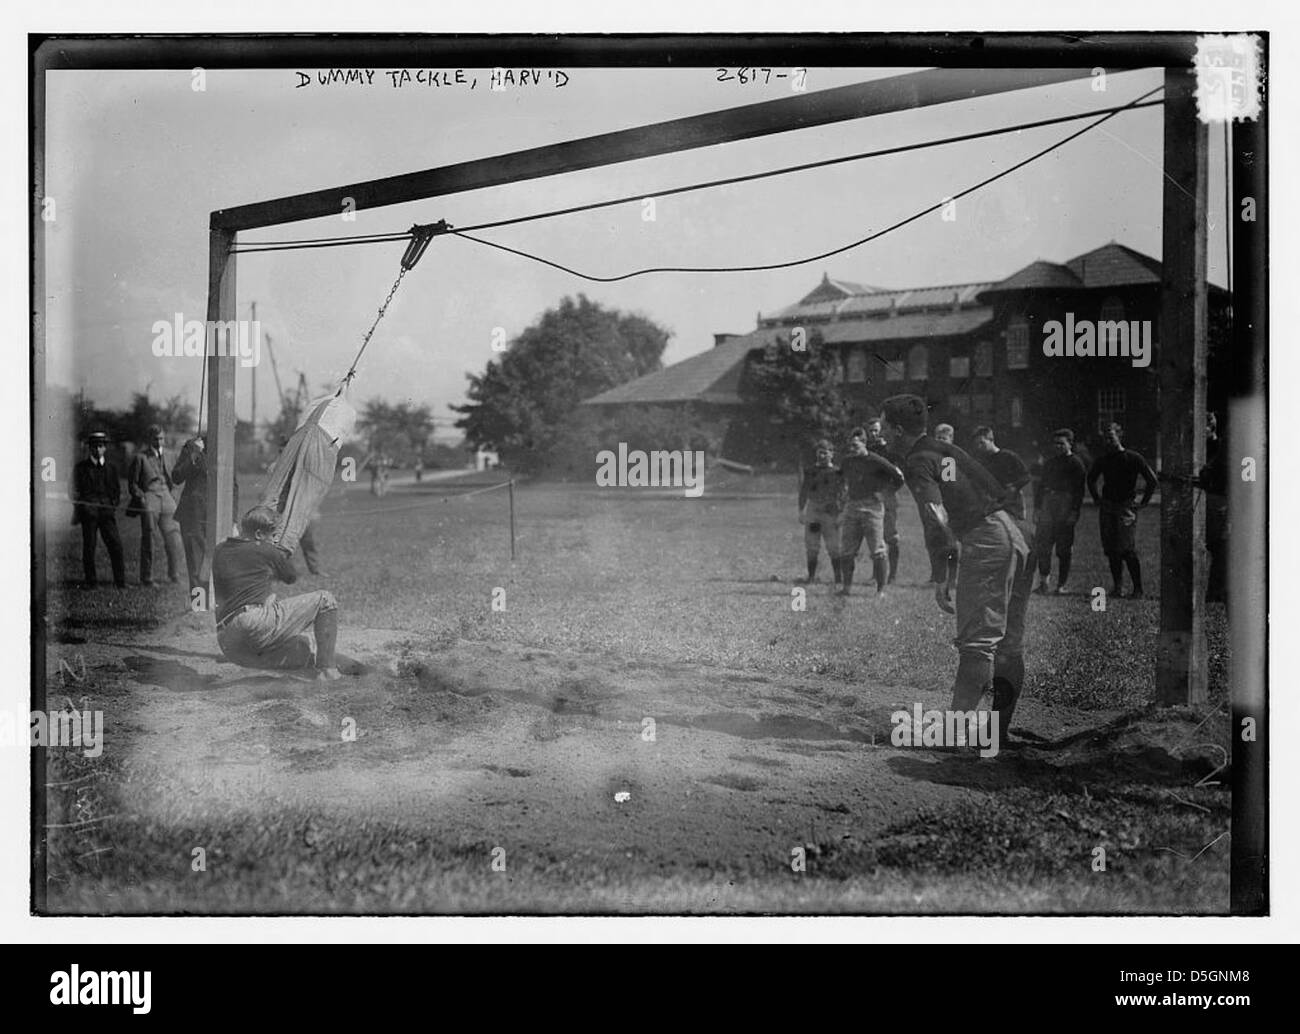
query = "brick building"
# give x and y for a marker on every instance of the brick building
(973, 351)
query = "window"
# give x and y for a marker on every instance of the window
(981, 408)
(1110, 407)
(857, 366)
(1017, 411)
(1017, 344)
(918, 363)
(984, 358)
(894, 370)
(1112, 309)
(959, 366)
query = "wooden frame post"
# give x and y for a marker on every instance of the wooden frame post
(1181, 654)
(221, 399)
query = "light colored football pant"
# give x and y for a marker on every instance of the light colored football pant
(993, 584)
(274, 636)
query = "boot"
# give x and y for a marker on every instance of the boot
(1135, 572)
(847, 566)
(1008, 678)
(1064, 574)
(880, 568)
(326, 628)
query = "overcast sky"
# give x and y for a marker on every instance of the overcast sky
(136, 161)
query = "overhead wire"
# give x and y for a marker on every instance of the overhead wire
(762, 267)
(251, 247)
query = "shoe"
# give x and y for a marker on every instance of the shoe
(148, 582)
(1042, 588)
(90, 585)
(805, 581)
(843, 592)
(1058, 591)
(119, 585)
(1116, 593)
(1136, 594)
(328, 675)
(175, 579)
(318, 572)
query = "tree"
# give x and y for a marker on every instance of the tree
(128, 426)
(792, 397)
(400, 431)
(521, 403)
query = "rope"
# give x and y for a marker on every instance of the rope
(203, 383)
(821, 255)
(415, 506)
(328, 242)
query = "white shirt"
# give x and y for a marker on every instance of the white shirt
(336, 420)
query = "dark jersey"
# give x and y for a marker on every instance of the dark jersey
(1119, 472)
(1062, 474)
(242, 572)
(822, 488)
(869, 477)
(953, 494)
(1008, 468)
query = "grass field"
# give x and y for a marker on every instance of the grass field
(502, 762)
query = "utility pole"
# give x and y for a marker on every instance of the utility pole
(275, 372)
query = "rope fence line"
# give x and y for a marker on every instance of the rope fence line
(64, 497)
(444, 497)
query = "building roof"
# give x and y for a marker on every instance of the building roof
(912, 325)
(1114, 265)
(830, 289)
(1038, 275)
(710, 376)
(1111, 265)
(874, 300)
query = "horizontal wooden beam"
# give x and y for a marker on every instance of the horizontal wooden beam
(800, 111)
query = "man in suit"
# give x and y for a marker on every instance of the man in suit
(191, 470)
(149, 481)
(96, 491)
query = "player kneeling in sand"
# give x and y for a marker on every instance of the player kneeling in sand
(254, 628)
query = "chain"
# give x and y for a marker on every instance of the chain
(352, 371)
